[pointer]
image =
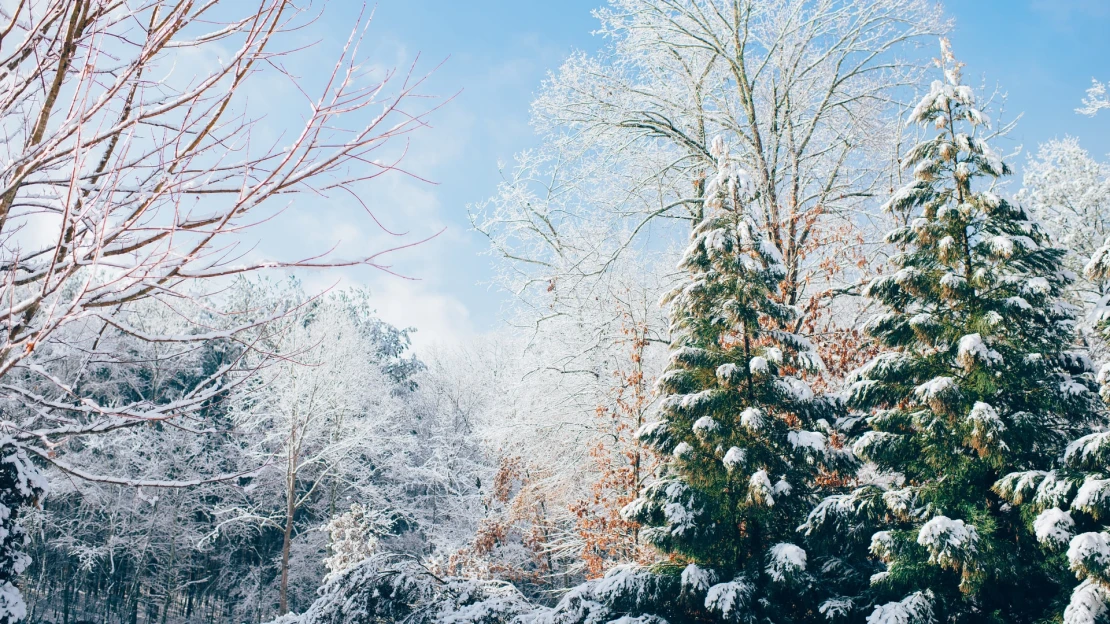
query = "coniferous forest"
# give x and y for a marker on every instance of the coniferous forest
(793, 327)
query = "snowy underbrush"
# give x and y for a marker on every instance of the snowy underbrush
(389, 589)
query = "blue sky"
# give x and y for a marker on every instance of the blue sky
(1041, 53)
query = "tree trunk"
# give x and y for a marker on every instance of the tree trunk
(290, 508)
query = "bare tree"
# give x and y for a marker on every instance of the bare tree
(806, 92)
(133, 167)
(132, 172)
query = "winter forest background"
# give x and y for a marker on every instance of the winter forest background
(793, 326)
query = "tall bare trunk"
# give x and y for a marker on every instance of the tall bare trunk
(290, 508)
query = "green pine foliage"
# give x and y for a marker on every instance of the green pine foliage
(745, 435)
(978, 380)
(1068, 505)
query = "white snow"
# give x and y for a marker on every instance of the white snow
(1036, 286)
(953, 281)
(1089, 553)
(882, 544)
(900, 502)
(862, 446)
(807, 440)
(922, 321)
(1053, 527)
(705, 426)
(986, 428)
(836, 608)
(782, 487)
(917, 608)
(1002, 245)
(760, 490)
(951, 543)
(1089, 449)
(680, 518)
(1016, 487)
(12, 607)
(734, 458)
(729, 599)
(650, 429)
(1089, 604)
(1053, 490)
(758, 365)
(1093, 497)
(726, 372)
(937, 392)
(634, 508)
(785, 561)
(972, 349)
(683, 449)
(797, 389)
(935, 387)
(751, 419)
(697, 579)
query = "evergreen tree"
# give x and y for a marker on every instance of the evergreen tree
(978, 380)
(742, 434)
(1068, 504)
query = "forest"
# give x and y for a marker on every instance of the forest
(794, 331)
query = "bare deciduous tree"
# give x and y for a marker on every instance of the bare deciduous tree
(133, 169)
(133, 166)
(804, 90)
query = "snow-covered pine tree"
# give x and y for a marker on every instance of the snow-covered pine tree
(1069, 504)
(743, 437)
(978, 380)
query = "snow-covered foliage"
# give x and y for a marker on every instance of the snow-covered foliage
(1068, 192)
(1089, 604)
(1053, 527)
(1095, 100)
(352, 537)
(417, 475)
(785, 562)
(392, 589)
(21, 486)
(917, 608)
(951, 543)
(982, 379)
(731, 601)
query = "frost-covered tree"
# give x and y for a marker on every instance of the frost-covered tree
(804, 91)
(1096, 99)
(978, 380)
(1068, 193)
(320, 413)
(111, 553)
